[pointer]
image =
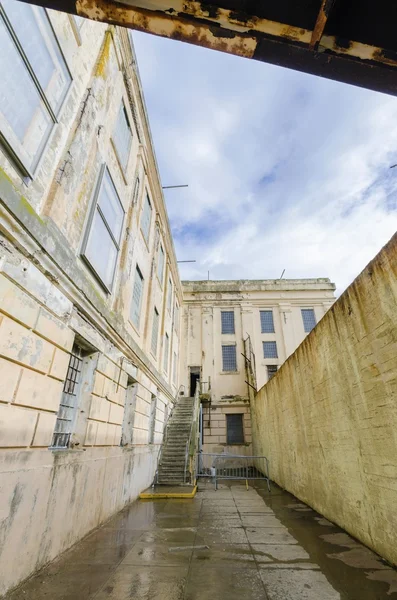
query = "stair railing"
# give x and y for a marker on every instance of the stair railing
(192, 442)
(165, 433)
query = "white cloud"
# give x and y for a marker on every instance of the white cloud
(285, 170)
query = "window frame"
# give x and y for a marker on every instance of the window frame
(235, 357)
(228, 312)
(264, 342)
(270, 376)
(166, 357)
(174, 377)
(8, 139)
(147, 198)
(156, 318)
(160, 252)
(137, 272)
(94, 207)
(266, 310)
(123, 168)
(169, 295)
(306, 310)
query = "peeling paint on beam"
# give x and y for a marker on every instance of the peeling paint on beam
(168, 26)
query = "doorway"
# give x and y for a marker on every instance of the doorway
(194, 378)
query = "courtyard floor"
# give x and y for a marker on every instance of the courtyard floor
(230, 544)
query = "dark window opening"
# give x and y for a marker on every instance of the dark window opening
(234, 429)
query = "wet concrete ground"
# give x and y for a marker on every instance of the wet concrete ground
(225, 545)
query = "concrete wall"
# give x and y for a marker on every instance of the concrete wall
(202, 341)
(328, 420)
(50, 300)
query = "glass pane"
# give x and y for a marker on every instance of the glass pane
(37, 39)
(267, 324)
(270, 350)
(101, 251)
(26, 123)
(110, 206)
(309, 319)
(229, 362)
(146, 218)
(227, 318)
(137, 298)
(122, 137)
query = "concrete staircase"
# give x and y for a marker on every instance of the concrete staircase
(171, 469)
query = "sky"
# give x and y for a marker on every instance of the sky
(285, 170)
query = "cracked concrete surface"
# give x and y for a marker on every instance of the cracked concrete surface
(226, 544)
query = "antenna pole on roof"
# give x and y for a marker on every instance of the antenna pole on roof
(208, 276)
(281, 276)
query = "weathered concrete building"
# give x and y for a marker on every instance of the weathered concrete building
(227, 323)
(89, 289)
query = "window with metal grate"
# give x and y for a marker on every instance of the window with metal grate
(122, 136)
(271, 371)
(166, 352)
(146, 217)
(229, 359)
(155, 331)
(227, 317)
(270, 349)
(68, 406)
(309, 319)
(267, 323)
(234, 429)
(137, 297)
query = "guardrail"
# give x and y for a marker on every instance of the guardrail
(233, 466)
(193, 441)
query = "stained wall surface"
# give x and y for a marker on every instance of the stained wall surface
(328, 420)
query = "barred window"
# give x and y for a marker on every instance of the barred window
(267, 323)
(174, 368)
(155, 331)
(229, 359)
(169, 298)
(137, 295)
(146, 218)
(68, 406)
(309, 319)
(122, 136)
(227, 317)
(234, 429)
(35, 81)
(160, 265)
(270, 350)
(166, 352)
(271, 371)
(176, 318)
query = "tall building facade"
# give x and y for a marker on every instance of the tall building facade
(89, 289)
(229, 327)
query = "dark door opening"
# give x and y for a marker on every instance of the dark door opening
(194, 378)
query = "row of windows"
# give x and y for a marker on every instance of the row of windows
(68, 409)
(229, 354)
(267, 321)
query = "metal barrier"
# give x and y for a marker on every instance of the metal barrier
(233, 466)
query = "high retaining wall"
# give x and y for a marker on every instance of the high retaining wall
(328, 420)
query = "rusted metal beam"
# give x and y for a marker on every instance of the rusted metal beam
(248, 36)
(322, 18)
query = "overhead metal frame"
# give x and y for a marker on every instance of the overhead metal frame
(352, 41)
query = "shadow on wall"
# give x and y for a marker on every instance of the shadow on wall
(328, 419)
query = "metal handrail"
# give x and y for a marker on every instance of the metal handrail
(165, 432)
(196, 406)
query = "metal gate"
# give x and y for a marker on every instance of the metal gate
(233, 466)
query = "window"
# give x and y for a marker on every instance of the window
(137, 295)
(160, 265)
(270, 350)
(169, 296)
(229, 361)
(152, 418)
(234, 429)
(136, 191)
(174, 368)
(102, 245)
(35, 81)
(68, 407)
(176, 318)
(309, 319)
(227, 318)
(122, 136)
(166, 352)
(155, 331)
(271, 370)
(146, 218)
(267, 324)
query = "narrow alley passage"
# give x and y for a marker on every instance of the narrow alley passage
(227, 544)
